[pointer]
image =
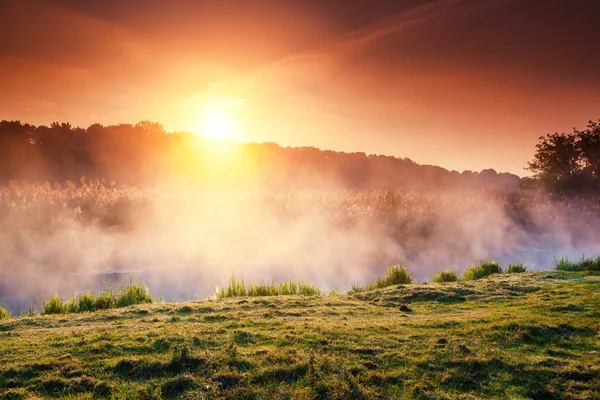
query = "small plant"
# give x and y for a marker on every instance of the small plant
(445, 276)
(4, 313)
(481, 270)
(517, 268)
(238, 288)
(395, 275)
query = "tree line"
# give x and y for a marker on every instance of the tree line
(145, 153)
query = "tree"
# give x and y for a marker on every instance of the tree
(568, 162)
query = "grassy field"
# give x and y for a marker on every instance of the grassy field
(530, 335)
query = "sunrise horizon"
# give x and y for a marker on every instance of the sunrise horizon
(443, 82)
(299, 199)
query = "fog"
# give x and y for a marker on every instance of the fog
(184, 241)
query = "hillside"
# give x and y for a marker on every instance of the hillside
(532, 335)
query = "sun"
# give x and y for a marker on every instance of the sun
(217, 124)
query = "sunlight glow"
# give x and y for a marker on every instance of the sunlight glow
(217, 124)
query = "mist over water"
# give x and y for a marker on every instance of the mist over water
(182, 241)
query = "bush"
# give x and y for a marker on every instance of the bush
(516, 268)
(445, 276)
(238, 288)
(395, 275)
(481, 270)
(585, 264)
(4, 314)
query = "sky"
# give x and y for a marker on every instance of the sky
(464, 84)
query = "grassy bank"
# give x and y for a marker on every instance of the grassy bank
(506, 336)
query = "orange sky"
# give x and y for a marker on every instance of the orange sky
(464, 84)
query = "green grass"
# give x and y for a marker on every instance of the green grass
(131, 294)
(585, 264)
(444, 276)
(29, 312)
(395, 275)
(4, 314)
(507, 336)
(238, 288)
(517, 268)
(482, 270)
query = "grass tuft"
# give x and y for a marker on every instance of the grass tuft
(134, 293)
(29, 312)
(517, 268)
(395, 275)
(4, 313)
(55, 305)
(445, 276)
(585, 264)
(481, 270)
(238, 288)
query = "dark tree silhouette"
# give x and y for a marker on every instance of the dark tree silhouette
(569, 162)
(145, 153)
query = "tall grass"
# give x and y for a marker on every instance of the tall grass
(445, 276)
(481, 270)
(133, 293)
(238, 288)
(517, 268)
(395, 275)
(29, 312)
(4, 314)
(585, 264)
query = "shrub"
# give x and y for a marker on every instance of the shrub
(237, 288)
(445, 276)
(481, 270)
(395, 275)
(4, 314)
(516, 268)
